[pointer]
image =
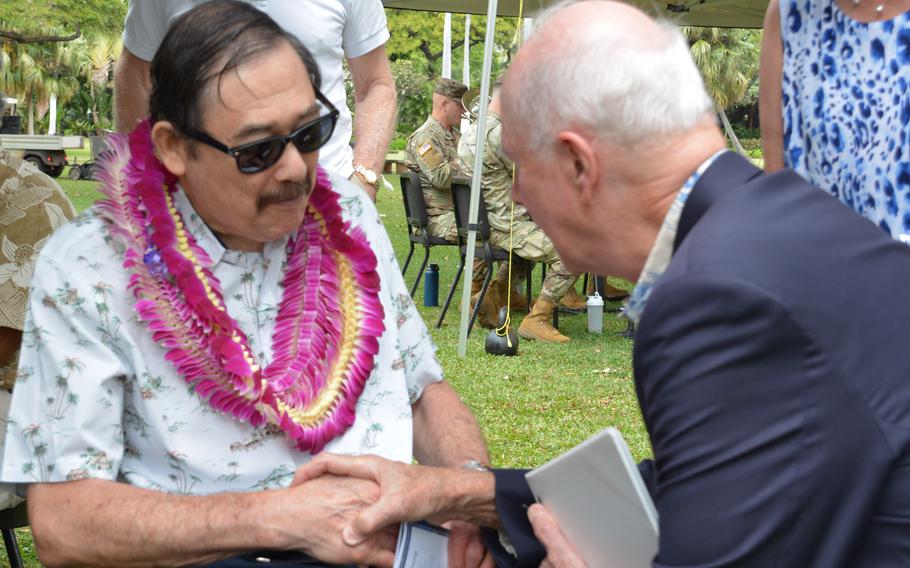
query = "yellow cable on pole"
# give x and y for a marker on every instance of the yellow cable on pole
(503, 330)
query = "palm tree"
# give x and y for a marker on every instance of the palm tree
(728, 61)
(32, 72)
(92, 58)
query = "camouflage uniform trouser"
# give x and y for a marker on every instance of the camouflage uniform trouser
(530, 243)
(444, 226)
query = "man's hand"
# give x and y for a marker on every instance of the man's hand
(409, 493)
(560, 553)
(406, 493)
(466, 547)
(330, 504)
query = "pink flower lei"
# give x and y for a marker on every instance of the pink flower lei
(329, 319)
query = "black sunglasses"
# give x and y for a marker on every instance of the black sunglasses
(254, 157)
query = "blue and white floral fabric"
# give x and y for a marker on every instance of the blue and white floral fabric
(96, 398)
(662, 251)
(846, 108)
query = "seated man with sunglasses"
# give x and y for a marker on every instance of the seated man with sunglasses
(226, 312)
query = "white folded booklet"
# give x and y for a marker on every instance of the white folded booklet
(421, 545)
(600, 500)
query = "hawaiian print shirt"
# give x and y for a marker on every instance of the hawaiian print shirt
(662, 251)
(95, 397)
(32, 206)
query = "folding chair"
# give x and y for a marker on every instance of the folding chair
(461, 197)
(415, 209)
(12, 519)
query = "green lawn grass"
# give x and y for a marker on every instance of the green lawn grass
(531, 407)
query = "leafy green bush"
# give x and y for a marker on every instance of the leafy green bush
(398, 143)
(752, 146)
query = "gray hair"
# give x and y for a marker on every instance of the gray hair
(627, 92)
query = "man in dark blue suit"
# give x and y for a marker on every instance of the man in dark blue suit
(772, 363)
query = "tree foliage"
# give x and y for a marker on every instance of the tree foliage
(34, 18)
(415, 51)
(727, 59)
(34, 70)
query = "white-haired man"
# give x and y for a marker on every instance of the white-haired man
(773, 389)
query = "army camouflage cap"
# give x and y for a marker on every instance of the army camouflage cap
(450, 88)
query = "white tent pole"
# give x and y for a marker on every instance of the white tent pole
(52, 120)
(447, 47)
(526, 29)
(466, 67)
(475, 180)
(466, 64)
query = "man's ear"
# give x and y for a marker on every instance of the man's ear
(580, 157)
(171, 148)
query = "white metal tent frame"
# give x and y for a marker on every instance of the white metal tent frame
(717, 13)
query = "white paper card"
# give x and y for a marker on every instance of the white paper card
(421, 545)
(600, 501)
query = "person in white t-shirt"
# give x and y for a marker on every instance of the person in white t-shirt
(333, 30)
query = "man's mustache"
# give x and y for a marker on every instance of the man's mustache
(289, 191)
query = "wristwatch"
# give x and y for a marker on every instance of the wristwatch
(369, 176)
(475, 465)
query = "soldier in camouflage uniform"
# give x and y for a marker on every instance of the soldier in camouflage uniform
(431, 151)
(528, 241)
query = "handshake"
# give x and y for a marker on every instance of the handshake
(365, 498)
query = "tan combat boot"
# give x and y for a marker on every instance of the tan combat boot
(518, 301)
(476, 285)
(488, 316)
(614, 294)
(611, 293)
(536, 325)
(572, 301)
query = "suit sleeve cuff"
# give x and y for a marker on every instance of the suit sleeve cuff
(513, 497)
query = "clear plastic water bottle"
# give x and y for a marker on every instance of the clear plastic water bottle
(431, 286)
(595, 306)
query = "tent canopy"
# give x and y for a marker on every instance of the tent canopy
(716, 13)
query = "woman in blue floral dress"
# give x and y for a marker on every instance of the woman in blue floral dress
(835, 102)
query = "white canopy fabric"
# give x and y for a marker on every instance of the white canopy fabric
(715, 13)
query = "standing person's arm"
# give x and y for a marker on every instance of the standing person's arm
(770, 106)
(131, 91)
(144, 28)
(94, 522)
(374, 111)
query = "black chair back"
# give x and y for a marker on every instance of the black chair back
(414, 206)
(461, 198)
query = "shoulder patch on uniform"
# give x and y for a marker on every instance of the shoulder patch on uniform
(431, 157)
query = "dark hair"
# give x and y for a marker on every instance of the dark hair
(204, 44)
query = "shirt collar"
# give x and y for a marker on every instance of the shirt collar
(662, 251)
